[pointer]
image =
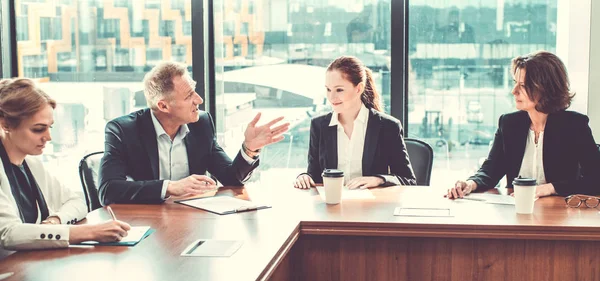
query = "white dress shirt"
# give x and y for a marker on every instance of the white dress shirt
(350, 150)
(533, 159)
(172, 154)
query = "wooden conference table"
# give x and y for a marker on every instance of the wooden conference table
(302, 238)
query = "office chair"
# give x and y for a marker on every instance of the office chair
(421, 158)
(88, 173)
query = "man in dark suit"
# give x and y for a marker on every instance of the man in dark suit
(166, 149)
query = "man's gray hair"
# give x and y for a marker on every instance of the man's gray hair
(158, 83)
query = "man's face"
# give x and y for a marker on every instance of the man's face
(183, 101)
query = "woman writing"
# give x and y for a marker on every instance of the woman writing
(36, 211)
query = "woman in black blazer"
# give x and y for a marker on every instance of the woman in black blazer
(356, 137)
(542, 140)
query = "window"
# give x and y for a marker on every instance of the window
(91, 57)
(460, 81)
(271, 57)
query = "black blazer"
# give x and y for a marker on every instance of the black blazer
(384, 154)
(571, 158)
(131, 150)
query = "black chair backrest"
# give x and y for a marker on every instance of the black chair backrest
(88, 173)
(421, 158)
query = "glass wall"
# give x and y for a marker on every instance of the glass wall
(271, 57)
(460, 82)
(91, 56)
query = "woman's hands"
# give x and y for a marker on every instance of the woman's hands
(110, 231)
(461, 188)
(304, 181)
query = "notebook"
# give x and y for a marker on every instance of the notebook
(134, 236)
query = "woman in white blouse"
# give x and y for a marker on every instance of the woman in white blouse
(542, 140)
(357, 138)
(36, 210)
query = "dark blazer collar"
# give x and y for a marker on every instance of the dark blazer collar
(520, 136)
(330, 135)
(194, 142)
(371, 140)
(148, 139)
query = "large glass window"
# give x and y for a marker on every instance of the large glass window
(91, 56)
(460, 83)
(271, 57)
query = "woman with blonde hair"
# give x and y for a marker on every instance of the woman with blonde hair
(36, 210)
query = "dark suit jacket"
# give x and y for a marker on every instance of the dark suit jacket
(131, 150)
(384, 154)
(571, 158)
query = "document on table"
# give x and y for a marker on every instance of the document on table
(491, 198)
(349, 194)
(134, 236)
(223, 205)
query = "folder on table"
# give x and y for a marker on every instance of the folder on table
(222, 205)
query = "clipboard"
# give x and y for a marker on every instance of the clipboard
(222, 205)
(124, 242)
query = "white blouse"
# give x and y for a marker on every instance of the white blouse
(350, 150)
(533, 159)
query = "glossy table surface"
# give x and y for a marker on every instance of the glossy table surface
(269, 234)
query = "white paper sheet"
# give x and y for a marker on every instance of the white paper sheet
(491, 198)
(135, 234)
(220, 204)
(349, 194)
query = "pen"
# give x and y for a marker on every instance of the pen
(6, 275)
(112, 214)
(245, 209)
(200, 242)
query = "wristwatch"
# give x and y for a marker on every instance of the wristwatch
(251, 153)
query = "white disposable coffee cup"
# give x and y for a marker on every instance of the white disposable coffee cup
(524, 194)
(333, 181)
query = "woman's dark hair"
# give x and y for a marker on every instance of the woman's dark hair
(355, 71)
(546, 80)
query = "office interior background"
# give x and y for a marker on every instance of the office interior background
(442, 66)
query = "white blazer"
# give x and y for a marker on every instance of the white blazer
(62, 202)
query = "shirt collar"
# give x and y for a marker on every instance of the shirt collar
(362, 116)
(183, 129)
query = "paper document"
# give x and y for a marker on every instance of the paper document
(491, 198)
(349, 194)
(6, 275)
(136, 233)
(134, 236)
(223, 205)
